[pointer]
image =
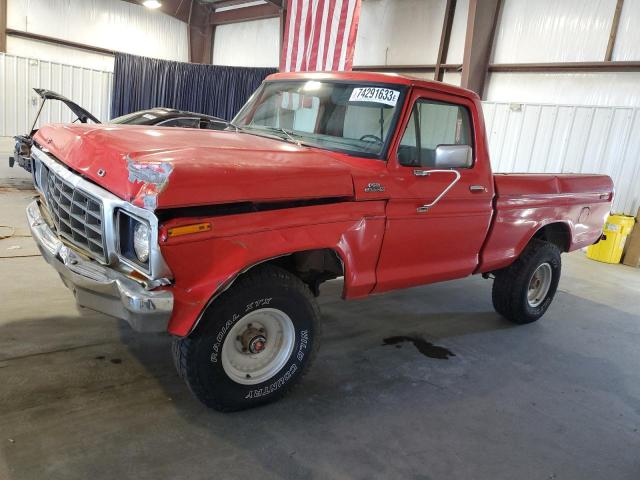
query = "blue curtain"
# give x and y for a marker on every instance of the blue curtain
(140, 83)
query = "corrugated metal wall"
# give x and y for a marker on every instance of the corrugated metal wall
(19, 103)
(569, 138)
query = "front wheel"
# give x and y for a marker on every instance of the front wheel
(523, 291)
(257, 340)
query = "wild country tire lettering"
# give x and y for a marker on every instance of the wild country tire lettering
(260, 392)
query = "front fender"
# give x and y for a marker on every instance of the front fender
(205, 264)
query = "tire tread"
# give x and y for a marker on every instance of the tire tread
(183, 348)
(510, 280)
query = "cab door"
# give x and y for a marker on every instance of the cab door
(441, 191)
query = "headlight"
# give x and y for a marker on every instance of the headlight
(134, 239)
(141, 241)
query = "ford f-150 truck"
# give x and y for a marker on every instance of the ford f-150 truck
(222, 238)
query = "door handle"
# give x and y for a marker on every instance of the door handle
(477, 188)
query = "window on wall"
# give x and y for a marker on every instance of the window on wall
(432, 124)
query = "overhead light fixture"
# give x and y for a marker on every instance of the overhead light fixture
(152, 4)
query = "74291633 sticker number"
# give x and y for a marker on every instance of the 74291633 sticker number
(375, 95)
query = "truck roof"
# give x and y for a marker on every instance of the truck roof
(377, 77)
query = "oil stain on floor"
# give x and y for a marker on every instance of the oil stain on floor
(428, 349)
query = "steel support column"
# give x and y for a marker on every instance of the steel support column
(443, 49)
(615, 22)
(3, 26)
(481, 26)
(201, 34)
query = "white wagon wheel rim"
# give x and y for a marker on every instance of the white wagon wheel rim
(258, 346)
(539, 285)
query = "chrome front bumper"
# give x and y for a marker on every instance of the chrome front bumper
(98, 287)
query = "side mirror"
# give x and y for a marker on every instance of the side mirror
(453, 156)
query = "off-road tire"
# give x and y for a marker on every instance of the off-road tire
(198, 357)
(511, 284)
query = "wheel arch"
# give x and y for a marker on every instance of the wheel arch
(305, 264)
(505, 246)
(557, 233)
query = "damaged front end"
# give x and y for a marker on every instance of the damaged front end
(22, 152)
(104, 248)
(152, 176)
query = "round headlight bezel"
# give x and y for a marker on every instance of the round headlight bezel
(137, 253)
(142, 241)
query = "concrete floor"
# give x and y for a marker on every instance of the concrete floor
(83, 396)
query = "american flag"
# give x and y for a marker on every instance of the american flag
(320, 35)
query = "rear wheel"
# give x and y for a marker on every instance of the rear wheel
(257, 340)
(523, 291)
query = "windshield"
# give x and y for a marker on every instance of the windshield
(346, 117)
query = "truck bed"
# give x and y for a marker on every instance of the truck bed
(526, 202)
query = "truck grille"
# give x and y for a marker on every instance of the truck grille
(76, 215)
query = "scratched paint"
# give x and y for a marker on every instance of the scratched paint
(154, 173)
(154, 176)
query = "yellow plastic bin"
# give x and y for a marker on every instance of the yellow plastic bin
(609, 249)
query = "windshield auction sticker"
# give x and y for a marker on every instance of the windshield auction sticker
(375, 95)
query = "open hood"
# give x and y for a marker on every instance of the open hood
(78, 111)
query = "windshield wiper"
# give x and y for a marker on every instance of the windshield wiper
(289, 136)
(269, 129)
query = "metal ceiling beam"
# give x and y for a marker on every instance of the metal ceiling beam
(228, 3)
(408, 68)
(614, 30)
(58, 41)
(445, 36)
(566, 67)
(257, 12)
(3, 26)
(481, 26)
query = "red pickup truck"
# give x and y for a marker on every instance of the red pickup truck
(222, 238)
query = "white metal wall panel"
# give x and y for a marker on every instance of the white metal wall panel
(112, 24)
(553, 31)
(454, 78)
(627, 45)
(536, 138)
(23, 47)
(601, 89)
(248, 44)
(19, 103)
(399, 32)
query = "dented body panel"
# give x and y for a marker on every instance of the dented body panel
(353, 230)
(525, 203)
(155, 167)
(262, 199)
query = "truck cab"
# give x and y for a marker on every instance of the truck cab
(223, 238)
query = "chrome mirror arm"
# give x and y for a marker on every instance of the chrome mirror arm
(425, 173)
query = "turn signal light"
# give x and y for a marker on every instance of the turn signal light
(189, 229)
